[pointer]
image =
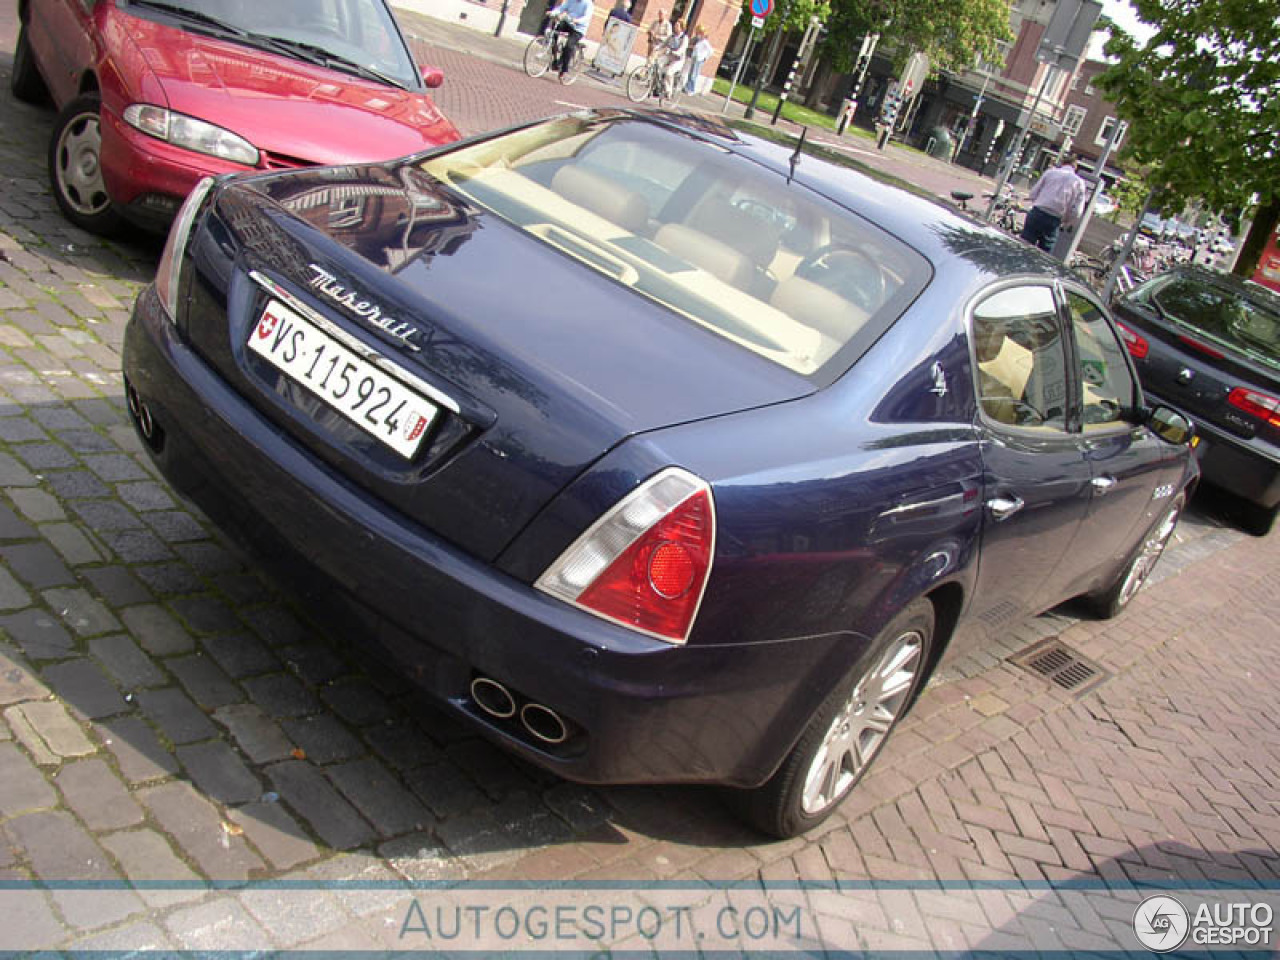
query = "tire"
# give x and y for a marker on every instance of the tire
(639, 84)
(1113, 599)
(25, 82)
(1258, 520)
(855, 720)
(75, 167)
(537, 57)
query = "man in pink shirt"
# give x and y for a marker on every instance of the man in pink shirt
(1057, 199)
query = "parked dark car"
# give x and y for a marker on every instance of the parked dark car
(1208, 344)
(655, 451)
(153, 95)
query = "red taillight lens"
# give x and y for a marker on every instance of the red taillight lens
(645, 563)
(1137, 344)
(1204, 348)
(1256, 404)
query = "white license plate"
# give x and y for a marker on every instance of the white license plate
(377, 403)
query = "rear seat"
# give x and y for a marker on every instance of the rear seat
(602, 196)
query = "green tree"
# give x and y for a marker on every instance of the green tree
(952, 32)
(1202, 98)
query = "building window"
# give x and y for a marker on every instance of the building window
(1104, 131)
(1072, 121)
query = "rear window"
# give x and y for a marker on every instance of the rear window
(734, 247)
(1221, 314)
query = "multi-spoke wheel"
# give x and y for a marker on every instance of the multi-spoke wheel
(847, 731)
(537, 56)
(75, 167)
(1109, 601)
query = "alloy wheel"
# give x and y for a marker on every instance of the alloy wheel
(1146, 559)
(862, 723)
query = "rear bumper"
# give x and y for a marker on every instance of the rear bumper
(646, 711)
(1230, 464)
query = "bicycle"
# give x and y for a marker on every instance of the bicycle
(652, 79)
(546, 49)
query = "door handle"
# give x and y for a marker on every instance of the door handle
(1004, 507)
(1102, 485)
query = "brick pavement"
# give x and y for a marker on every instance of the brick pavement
(167, 720)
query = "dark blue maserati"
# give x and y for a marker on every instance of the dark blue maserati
(656, 451)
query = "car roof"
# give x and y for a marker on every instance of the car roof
(949, 239)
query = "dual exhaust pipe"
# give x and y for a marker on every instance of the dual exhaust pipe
(140, 411)
(540, 721)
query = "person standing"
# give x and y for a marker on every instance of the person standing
(1057, 200)
(659, 34)
(577, 20)
(699, 53)
(621, 11)
(673, 55)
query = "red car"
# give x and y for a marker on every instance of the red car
(155, 94)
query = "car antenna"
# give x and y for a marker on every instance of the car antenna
(795, 157)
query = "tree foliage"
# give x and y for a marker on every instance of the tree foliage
(952, 32)
(1202, 97)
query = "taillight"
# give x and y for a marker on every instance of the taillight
(170, 269)
(1137, 344)
(1256, 404)
(645, 563)
(1204, 348)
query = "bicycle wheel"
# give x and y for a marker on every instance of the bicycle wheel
(576, 66)
(640, 84)
(537, 57)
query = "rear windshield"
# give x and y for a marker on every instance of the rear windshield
(732, 246)
(1227, 316)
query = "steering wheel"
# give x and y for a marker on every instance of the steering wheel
(848, 272)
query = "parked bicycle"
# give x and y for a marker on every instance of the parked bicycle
(547, 48)
(1008, 214)
(653, 79)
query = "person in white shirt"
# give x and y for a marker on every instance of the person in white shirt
(699, 53)
(577, 14)
(1057, 200)
(659, 34)
(673, 54)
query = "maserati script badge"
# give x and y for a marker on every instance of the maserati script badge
(366, 310)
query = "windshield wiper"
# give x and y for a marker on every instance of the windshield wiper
(328, 58)
(197, 16)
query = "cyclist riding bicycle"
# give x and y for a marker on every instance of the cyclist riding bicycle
(573, 19)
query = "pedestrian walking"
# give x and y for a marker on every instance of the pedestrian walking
(1057, 200)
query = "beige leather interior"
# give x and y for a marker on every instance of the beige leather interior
(718, 259)
(602, 196)
(829, 313)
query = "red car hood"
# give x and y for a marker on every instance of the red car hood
(287, 107)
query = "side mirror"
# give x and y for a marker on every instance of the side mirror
(432, 77)
(1171, 426)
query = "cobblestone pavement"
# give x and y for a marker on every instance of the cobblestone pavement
(166, 719)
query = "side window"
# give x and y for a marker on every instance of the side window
(1104, 373)
(1021, 359)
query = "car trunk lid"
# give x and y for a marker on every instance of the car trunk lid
(538, 365)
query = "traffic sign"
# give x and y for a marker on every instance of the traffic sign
(761, 8)
(757, 22)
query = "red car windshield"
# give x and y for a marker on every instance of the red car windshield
(357, 36)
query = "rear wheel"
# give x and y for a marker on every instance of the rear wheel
(537, 56)
(846, 732)
(640, 84)
(25, 81)
(75, 167)
(1110, 601)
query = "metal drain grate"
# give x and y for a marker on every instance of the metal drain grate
(1061, 666)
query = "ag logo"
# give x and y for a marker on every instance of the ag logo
(1161, 923)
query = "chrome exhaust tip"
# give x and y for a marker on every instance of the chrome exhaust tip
(493, 698)
(544, 723)
(131, 398)
(145, 423)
